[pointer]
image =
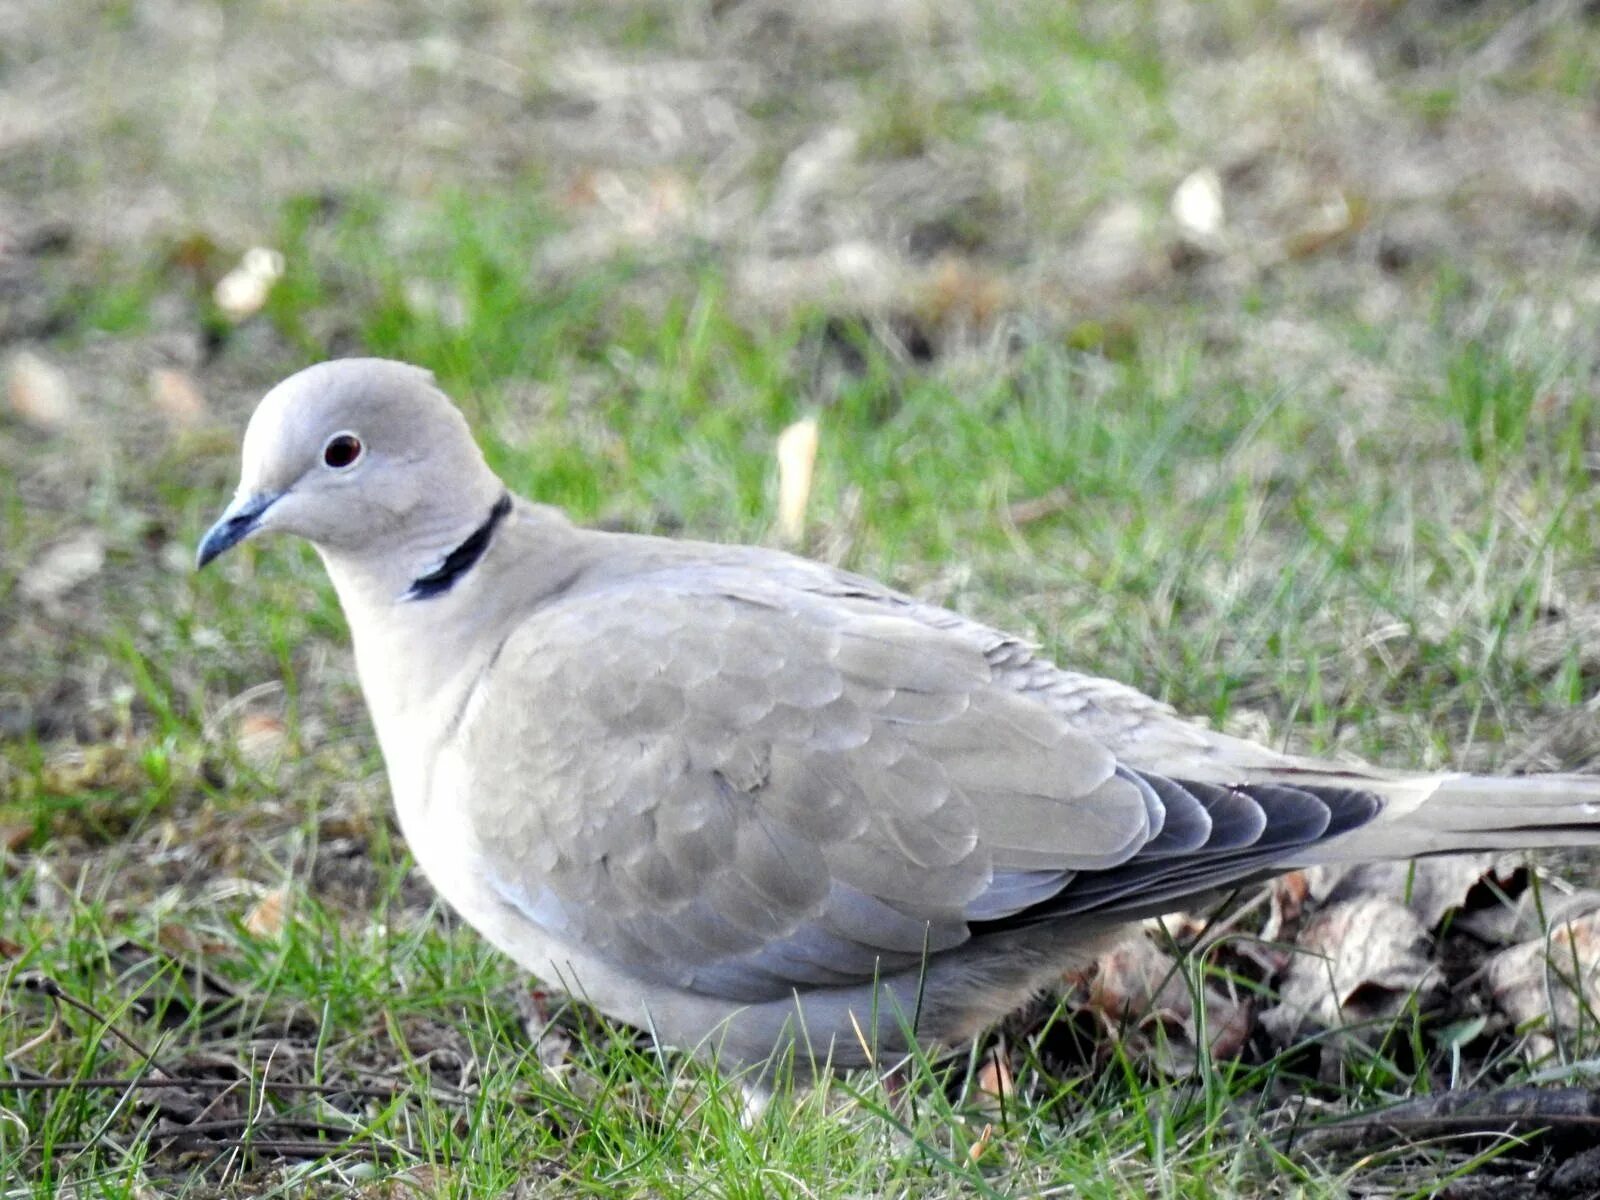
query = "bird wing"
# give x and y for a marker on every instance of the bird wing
(730, 784)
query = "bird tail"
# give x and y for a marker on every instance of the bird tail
(1442, 814)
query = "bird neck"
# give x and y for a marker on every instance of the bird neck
(461, 558)
(421, 620)
(436, 554)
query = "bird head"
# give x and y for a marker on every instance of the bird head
(362, 457)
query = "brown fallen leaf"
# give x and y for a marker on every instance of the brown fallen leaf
(178, 940)
(260, 739)
(39, 393)
(1134, 978)
(978, 1148)
(1339, 215)
(266, 917)
(1429, 887)
(1287, 895)
(1359, 961)
(14, 837)
(243, 291)
(797, 460)
(63, 566)
(994, 1085)
(1142, 991)
(193, 253)
(1553, 983)
(1025, 512)
(177, 397)
(1525, 919)
(540, 1026)
(960, 293)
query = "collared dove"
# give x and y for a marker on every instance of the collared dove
(749, 801)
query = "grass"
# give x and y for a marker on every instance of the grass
(1340, 505)
(1377, 582)
(614, 1119)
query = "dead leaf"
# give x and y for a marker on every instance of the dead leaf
(413, 1183)
(622, 209)
(1197, 205)
(193, 253)
(797, 459)
(1135, 978)
(177, 397)
(1553, 982)
(1430, 887)
(40, 393)
(994, 1084)
(978, 1148)
(103, 767)
(1359, 961)
(1113, 254)
(582, 190)
(1287, 895)
(1338, 216)
(1139, 989)
(1533, 911)
(960, 292)
(15, 837)
(1025, 512)
(63, 566)
(266, 917)
(243, 291)
(539, 1025)
(260, 738)
(177, 940)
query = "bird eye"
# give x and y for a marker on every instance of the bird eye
(341, 451)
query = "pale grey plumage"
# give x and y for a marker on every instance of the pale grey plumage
(742, 797)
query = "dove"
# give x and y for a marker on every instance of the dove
(758, 805)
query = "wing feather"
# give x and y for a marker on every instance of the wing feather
(742, 782)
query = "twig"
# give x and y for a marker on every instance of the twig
(52, 1084)
(288, 1147)
(1513, 1111)
(245, 1126)
(46, 986)
(1037, 508)
(40, 1038)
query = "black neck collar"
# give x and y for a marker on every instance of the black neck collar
(460, 560)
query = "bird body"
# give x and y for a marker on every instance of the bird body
(750, 801)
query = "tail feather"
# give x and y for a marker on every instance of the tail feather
(1441, 814)
(1297, 815)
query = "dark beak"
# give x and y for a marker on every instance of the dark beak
(238, 521)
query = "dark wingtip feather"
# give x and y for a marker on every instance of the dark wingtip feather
(1251, 831)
